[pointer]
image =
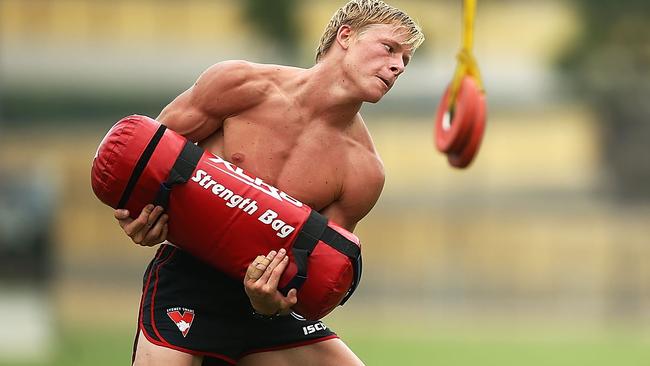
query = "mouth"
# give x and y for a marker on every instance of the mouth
(386, 82)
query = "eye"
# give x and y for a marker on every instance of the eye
(388, 48)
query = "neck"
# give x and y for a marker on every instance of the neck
(328, 93)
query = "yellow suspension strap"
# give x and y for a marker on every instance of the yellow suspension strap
(467, 64)
(460, 121)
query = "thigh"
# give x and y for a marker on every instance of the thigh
(325, 353)
(149, 354)
(292, 340)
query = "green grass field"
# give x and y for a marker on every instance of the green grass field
(77, 347)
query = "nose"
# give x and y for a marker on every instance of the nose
(398, 67)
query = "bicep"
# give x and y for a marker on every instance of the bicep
(355, 203)
(187, 118)
(223, 90)
(339, 216)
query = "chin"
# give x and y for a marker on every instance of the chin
(370, 93)
(374, 97)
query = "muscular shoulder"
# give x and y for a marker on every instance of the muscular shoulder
(236, 84)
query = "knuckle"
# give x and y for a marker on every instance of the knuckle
(267, 289)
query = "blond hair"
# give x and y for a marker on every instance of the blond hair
(359, 14)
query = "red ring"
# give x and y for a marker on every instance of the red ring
(463, 157)
(457, 134)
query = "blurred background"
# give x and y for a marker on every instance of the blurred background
(537, 255)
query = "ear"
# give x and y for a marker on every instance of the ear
(344, 36)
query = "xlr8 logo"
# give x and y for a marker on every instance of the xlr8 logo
(239, 174)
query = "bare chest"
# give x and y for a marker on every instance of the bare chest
(304, 159)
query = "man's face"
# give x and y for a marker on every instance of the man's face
(376, 57)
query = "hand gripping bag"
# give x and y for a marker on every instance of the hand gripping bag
(223, 215)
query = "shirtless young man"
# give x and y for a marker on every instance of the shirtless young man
(297, 129)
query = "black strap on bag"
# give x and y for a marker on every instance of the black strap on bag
(315, 229)
(342, 244)
(140, 165)
(308, 237)
(180, 173)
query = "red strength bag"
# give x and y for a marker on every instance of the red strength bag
(223, 215)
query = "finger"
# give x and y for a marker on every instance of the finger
(123, 218)
(277, 259)
(274, 278)
(155, 214)
(253, 272)
(289, 301)
(258, 266)
(154, 236)
(268, 259)
(136, 225)
(262, 263)
(271, 255)
(163, 236)
(256, 261)
(121, 214)
(143, 234)
(292, 298)
(140, 236)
